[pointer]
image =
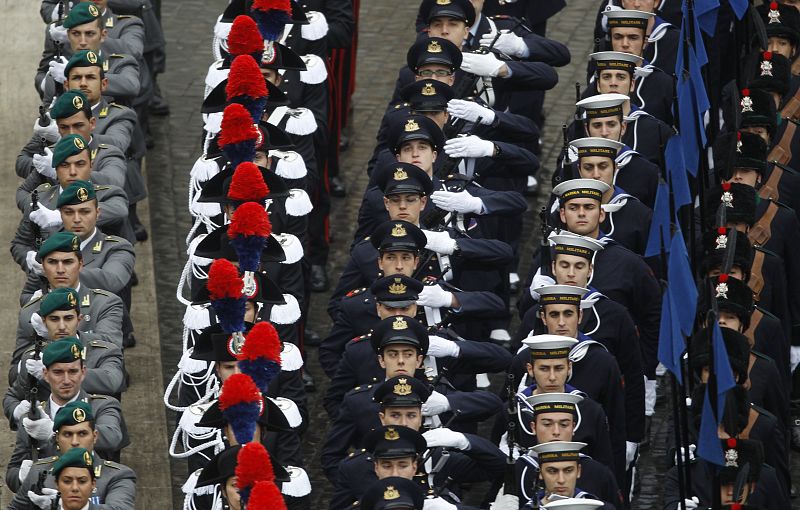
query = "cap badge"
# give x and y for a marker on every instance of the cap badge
(82, 194)
(397, 288)
(400, 174)
(390, 492)
(235, 344)
(722, 291)
(391, 434)
(747, 104)
(76, 352)
(739, 146)
(269, 55)
(94, 11)
(399, 231)
(434, 47)
(428, 90)
(766, 68)
(411, 126)
(400, 324)
(731, 458)
(722, 242)
(79, 143)
(774, 14)
(443, 2)
(727, 199)
(77, 102)
(71, 299)
(78, 415)
(402, 387)
(75, 244)
(87, 459)
(91, 56)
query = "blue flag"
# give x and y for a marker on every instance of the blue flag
(706, 14)
(739, 7)
(682, 289)
(722, 368)
(671, 344)
(676, 172)
(708, 442)
(660, 224)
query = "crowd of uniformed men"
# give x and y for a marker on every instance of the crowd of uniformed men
(420, 318)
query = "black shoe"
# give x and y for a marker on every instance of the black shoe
(319, 279)
(311, 338)
(129, 341)
(337, 187)
(140, 232)
(308, 383)
(158, 106)
(796, 434)
(645, 444)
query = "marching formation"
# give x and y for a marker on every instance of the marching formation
(663, 272)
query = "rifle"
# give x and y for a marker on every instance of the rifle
(511, 484)
(577, 117)
(61, 10)
(33, 393)
(37, 231)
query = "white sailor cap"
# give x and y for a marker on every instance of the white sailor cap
(596, 146)
(627, 18)
(603, 105)
(574, 504)
(549, 346)
(561, 294)
(581, 188)
(616, 60)
(558, 451)
(571, 244)
(554, 402)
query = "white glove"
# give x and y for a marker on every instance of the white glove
(45, 218)
(57, 66)
(436, 404)
(43, 163)
(443, 348)
(794, 357)
(38, 325)
(692, 502)
(41, 429)
(461, 202)
(24, 469)
(470, 111)
(631, 450)
(33, 266)
(469, 147)
(435, 297)
(437, 504)
(509, 43)
(57, 32)
(35, 367)
(447, 438)
(505, 501)
(48, 132)
(22, 410)
(440, 242)
(45, 499)
(539, 281)
(692, 449)
(481, 64)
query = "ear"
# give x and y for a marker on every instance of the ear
(580, 315)
(602, 215)
(435, 154)
(103, 84)
(381, 362)
(386, 203)
(553, 266)
(624, 127)
(423, 200)
(561, 215)
(529, 368)
(420, 359)
(93, 122)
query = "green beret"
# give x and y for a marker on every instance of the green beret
(64, 350)
(72, 414)
(69, 145)
(84, 12)
(76, 193)
(74, 457)
(64, 298)
(68, 104)
(60, 241)
(83, 58)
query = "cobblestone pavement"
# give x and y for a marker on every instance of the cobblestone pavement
(385, 32)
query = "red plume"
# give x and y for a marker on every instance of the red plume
(262, 342)
(745, 92)
(249, 219)
(723, 278)
(773, 6)
(722, 231)
(266, 496)
(237, 126)
(224, 280)
(267, 5)
(726, 186)
(245, 79)
(238, 389)
(731, 442)
(253, 465)
(244, 37)
(247, 184)
(767, 55)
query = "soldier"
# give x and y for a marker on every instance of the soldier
(60, 316)
(660, 38)
(76, 428)
(60, 257)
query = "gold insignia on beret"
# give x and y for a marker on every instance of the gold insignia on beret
(400, 174)
(434, 47)
(71, 299)
(443, 2)
(390, 492)
(397, 287)
(78, 415)
(82, 194)
(77, 102)
(411, 126)
(91, 56)
(727, 199)
(76, 353)
(402, 387)
(75, 244)
(391, 434)
(87, 459)
(399, 231)
(79, 143)
(428, 90)
(399, 324)
(94, 11)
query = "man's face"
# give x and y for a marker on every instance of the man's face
(561, 319)
(550, 374)
(727, 493)
(75, 485)
(385, 312)
(398, 262)
(560, 477)
(62, 269)
(410, 417)
(74, 168)
(80, 435)
(453, 30)
(250, 311)
(400, 359)
(272, 76)
(62, 323)
(746, 176)
(65, 380)
(615, 81)
(438, 72)
(419, 153)
(80, 219)
(571, 270)
(729, 320)
(553, 427)
(610, 128)
(405, 467)
(77, 124)
(88, 36)
(628, 40)
(262, 159)
(735, 272)
(232, 494)
(761, 131)
(781, 46)
(88, 80)
(226, 369)
(599, 168)
(405, 206)
(582, 215)
(640, 5)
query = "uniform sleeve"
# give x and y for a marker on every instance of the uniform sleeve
(22, 242)
(486, 251)
(476, 304)
(21, 501)
(332, 347)
(133, 36)
(16, 393)
(22, 451)
(351, 278)
(110, 426)
(26, 336)
(502, 203)
(647, 316)
(121, 491)
(339, 15)
(116, 270)
(123, 83)
(343, 381)
(475, 405)
(483, 461)
(530, 76)
(108, 377)
(24, 164)
(108, 322)
(115, 209)
(31, 182)
(118, 134)
(628, 355)
(341, 436)
(112, 168)
(478, 358)
(546, 50)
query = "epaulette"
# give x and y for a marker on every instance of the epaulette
(112, 464)
(115, 105)
(32, 301)
(48, 460)
(102, 146)
(96, 343)
(101, 187)
(116, 55)
(360, 338)
(95, 396)
(44, 186)
(124, 16)
(355, 292)
(103, 292)
(356, 453)
(113, 239)
(360, 389)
